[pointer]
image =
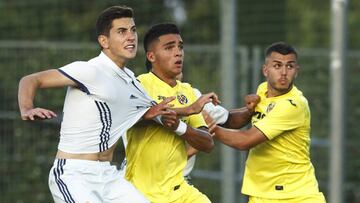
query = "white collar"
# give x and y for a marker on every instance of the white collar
(123, 73)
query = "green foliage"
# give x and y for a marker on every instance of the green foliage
(261, 22)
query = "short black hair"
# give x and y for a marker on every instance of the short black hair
(280, 47)
(154, 33)
(106, 17)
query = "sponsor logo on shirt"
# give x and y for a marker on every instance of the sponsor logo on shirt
(161, 97)
(257, 115)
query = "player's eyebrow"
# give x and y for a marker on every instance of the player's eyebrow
(169, 43)
(277, 61)
(124, 28)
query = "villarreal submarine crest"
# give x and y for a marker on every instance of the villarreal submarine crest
(182, 98)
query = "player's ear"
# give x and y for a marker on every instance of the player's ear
(265, 70)
(297, 71)
(150, 56)
(103, 41)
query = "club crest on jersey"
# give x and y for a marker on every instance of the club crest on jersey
(270, 107)
(182, 99)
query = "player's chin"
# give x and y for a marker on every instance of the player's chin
(283, 88)
(131, 56)
(176, 70)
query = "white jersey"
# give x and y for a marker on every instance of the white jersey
(105, 104)
(219, 114)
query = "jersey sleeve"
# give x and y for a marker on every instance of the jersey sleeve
(82, 73)
(218, 113)
(286, 115)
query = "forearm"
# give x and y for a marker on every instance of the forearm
(238, 118)
(26, 93)
(184, 111)
(240, 139)
(45, 79)
(232, 138)
(199, 139)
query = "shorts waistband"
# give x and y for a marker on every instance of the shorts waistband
(80, 162)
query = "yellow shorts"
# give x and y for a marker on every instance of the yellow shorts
(317, 198)
(191, 195)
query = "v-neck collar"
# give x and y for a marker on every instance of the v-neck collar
(124, 73)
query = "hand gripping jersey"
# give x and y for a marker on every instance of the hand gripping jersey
(280, 168)
(156, 156)
(107, 102)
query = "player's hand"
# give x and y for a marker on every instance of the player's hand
(198, 106)
(37, 114)
(251, 100)
(210, 122)
(170, 120)
(160, 109)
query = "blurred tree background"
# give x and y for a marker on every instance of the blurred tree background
(37, 35)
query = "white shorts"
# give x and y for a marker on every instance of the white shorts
(72, 180)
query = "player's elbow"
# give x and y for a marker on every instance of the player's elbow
(242, 145)
(29, 80)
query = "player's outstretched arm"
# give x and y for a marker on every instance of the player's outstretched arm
(28, 86)
(238, 118)
(161, 109)
(190, 151)
(200, 139)
(198, 106)
(239, 139)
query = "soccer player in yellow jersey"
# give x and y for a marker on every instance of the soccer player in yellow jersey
(278, 168)
(156, 156)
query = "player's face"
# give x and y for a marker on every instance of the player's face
(280, 72)
(168, 55)
(122, 41)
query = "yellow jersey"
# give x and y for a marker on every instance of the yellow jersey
(280, 167)
(156, 156)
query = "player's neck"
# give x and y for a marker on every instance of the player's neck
(273, 92)
(119, 61)
(171, 81)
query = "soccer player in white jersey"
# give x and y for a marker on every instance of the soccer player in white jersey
(103, 100)
(278, 168)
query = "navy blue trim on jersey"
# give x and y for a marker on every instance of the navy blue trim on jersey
(133, 82)
(137, 87)
(82, 87)
(106, 120)
(61, 185)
